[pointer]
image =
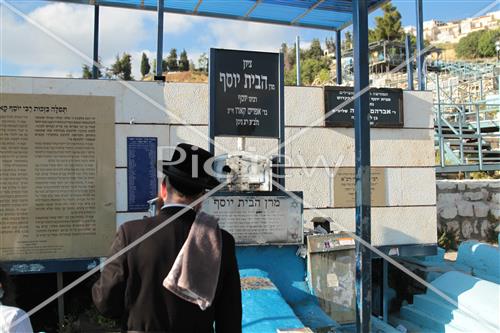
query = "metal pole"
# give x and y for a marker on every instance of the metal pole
(211, 119)
(60, 299)
(385, 289)
(297, 58)
(481, 88)
(409, 62)
(461, 118)
(479, 138)
(159, 44)
(362, 166)
(420, 45)
(338, 56)
(282, 119)
(440, 128)
(95, 69)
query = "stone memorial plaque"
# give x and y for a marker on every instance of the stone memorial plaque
(258, 217)
(57, 176)
(344, 190)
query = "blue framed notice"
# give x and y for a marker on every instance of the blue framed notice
(142, 180)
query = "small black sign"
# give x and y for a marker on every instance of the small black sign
(142, 181)
(386, 107)
(244, 87)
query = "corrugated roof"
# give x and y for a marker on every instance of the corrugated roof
(319, 14)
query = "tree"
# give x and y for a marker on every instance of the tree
(310, 68)
(330, 45)
(291, 56)
(284, 50)
(122, 68)
(183, 62)
(315, 51)
(348, 40)
(388, 26)
(86, 72)
(467, 46)
(203, 63)
(486, 44)
(145, 66)
(478, 44)
(172, 64)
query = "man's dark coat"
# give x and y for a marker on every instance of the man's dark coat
(131, 287)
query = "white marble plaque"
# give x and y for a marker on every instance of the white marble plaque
(258, 219)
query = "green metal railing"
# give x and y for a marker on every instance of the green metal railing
(467, 136)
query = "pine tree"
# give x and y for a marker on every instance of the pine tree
(122, 68)
(172, 64)
(86, 72)
(388, 26)
(315, 51)
(145, 66)
(126, 67)
(183, 62)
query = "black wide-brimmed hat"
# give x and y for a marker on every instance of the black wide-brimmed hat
(186, 170)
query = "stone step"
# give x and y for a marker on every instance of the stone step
(430, 323)
(447, 313)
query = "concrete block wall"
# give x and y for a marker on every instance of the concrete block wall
(468, 208)
(177, 112)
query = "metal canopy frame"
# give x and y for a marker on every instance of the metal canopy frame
(332, 15)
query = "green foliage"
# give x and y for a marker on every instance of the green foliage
(330, 44)
(203, 63)
(122, 68)
(314, 66)
(323, 75)
(86, 72)
(467, 46)
(183, 62)
(310, 68)
(347, 40)
(478, 44)
(486, 44)
(447, 240)
(172, 64)
(315, 51)
(145, 66)
(480, 175)
(388, 26)
(291, 76)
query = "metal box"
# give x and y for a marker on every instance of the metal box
(331, 270)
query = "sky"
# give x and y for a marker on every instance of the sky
(27, 51)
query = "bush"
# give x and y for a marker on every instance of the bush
(478, 44)
(447, 239)
(486, 45)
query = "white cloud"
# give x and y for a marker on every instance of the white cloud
(29, 51)
(121, 30)
(249, 35)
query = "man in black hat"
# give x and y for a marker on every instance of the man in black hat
(131, 286)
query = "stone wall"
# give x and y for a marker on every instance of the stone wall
(178, 112)
(470, 208)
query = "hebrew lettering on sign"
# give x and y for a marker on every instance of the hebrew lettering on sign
(258, 219)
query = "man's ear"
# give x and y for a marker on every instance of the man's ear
(163, 190)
